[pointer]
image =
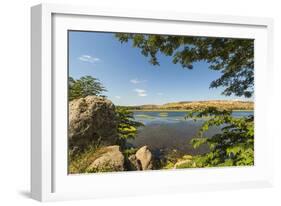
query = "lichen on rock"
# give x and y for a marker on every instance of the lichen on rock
(92, 119)
(107, 159)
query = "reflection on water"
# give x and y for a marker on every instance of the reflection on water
(170, 131)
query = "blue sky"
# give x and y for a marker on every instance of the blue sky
(130, 79)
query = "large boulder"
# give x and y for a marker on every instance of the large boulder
(144, 156)
(92, 119)
(107, 159)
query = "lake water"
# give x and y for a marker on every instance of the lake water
(169, 131)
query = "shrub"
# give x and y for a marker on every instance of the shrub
(233, 146)
(127, 126)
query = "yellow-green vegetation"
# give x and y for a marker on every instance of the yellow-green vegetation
(175, 162)
(186, 161)
(127, 126)
(79, 162)
(220, 104)
(195, 105)
(169, 165)
(129, 151)
(82, 162)
(171, 158)
(107, 167)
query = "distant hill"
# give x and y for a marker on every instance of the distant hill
(188, 105)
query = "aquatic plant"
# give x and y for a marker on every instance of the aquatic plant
(144, 116)
(163, 114)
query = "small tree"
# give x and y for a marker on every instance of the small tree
(85, 86)
(127, 126)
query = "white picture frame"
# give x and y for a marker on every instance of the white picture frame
(49, 179)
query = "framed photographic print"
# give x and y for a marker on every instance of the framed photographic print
(154, 102)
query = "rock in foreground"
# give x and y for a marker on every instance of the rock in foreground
(144, 156)
(134, 163)
(107, 159)
(92, 119)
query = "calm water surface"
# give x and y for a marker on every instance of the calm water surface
(166, 131)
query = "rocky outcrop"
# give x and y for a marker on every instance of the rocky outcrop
(107, 159)
(144, 157)
(92, 119)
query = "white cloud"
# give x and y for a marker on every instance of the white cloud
(136, 81)
(88, 58)
(159, 93)
(141, 92)
(117, 97)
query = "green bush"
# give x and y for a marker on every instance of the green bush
(233, 146)
(127, 126)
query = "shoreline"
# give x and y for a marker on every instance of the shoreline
(163, 110)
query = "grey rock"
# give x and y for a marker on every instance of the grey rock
(144, 156)
(107, 159)
(135, 164)
(92, 119)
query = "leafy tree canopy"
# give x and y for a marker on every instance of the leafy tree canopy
(85, 86)
(234, 58)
